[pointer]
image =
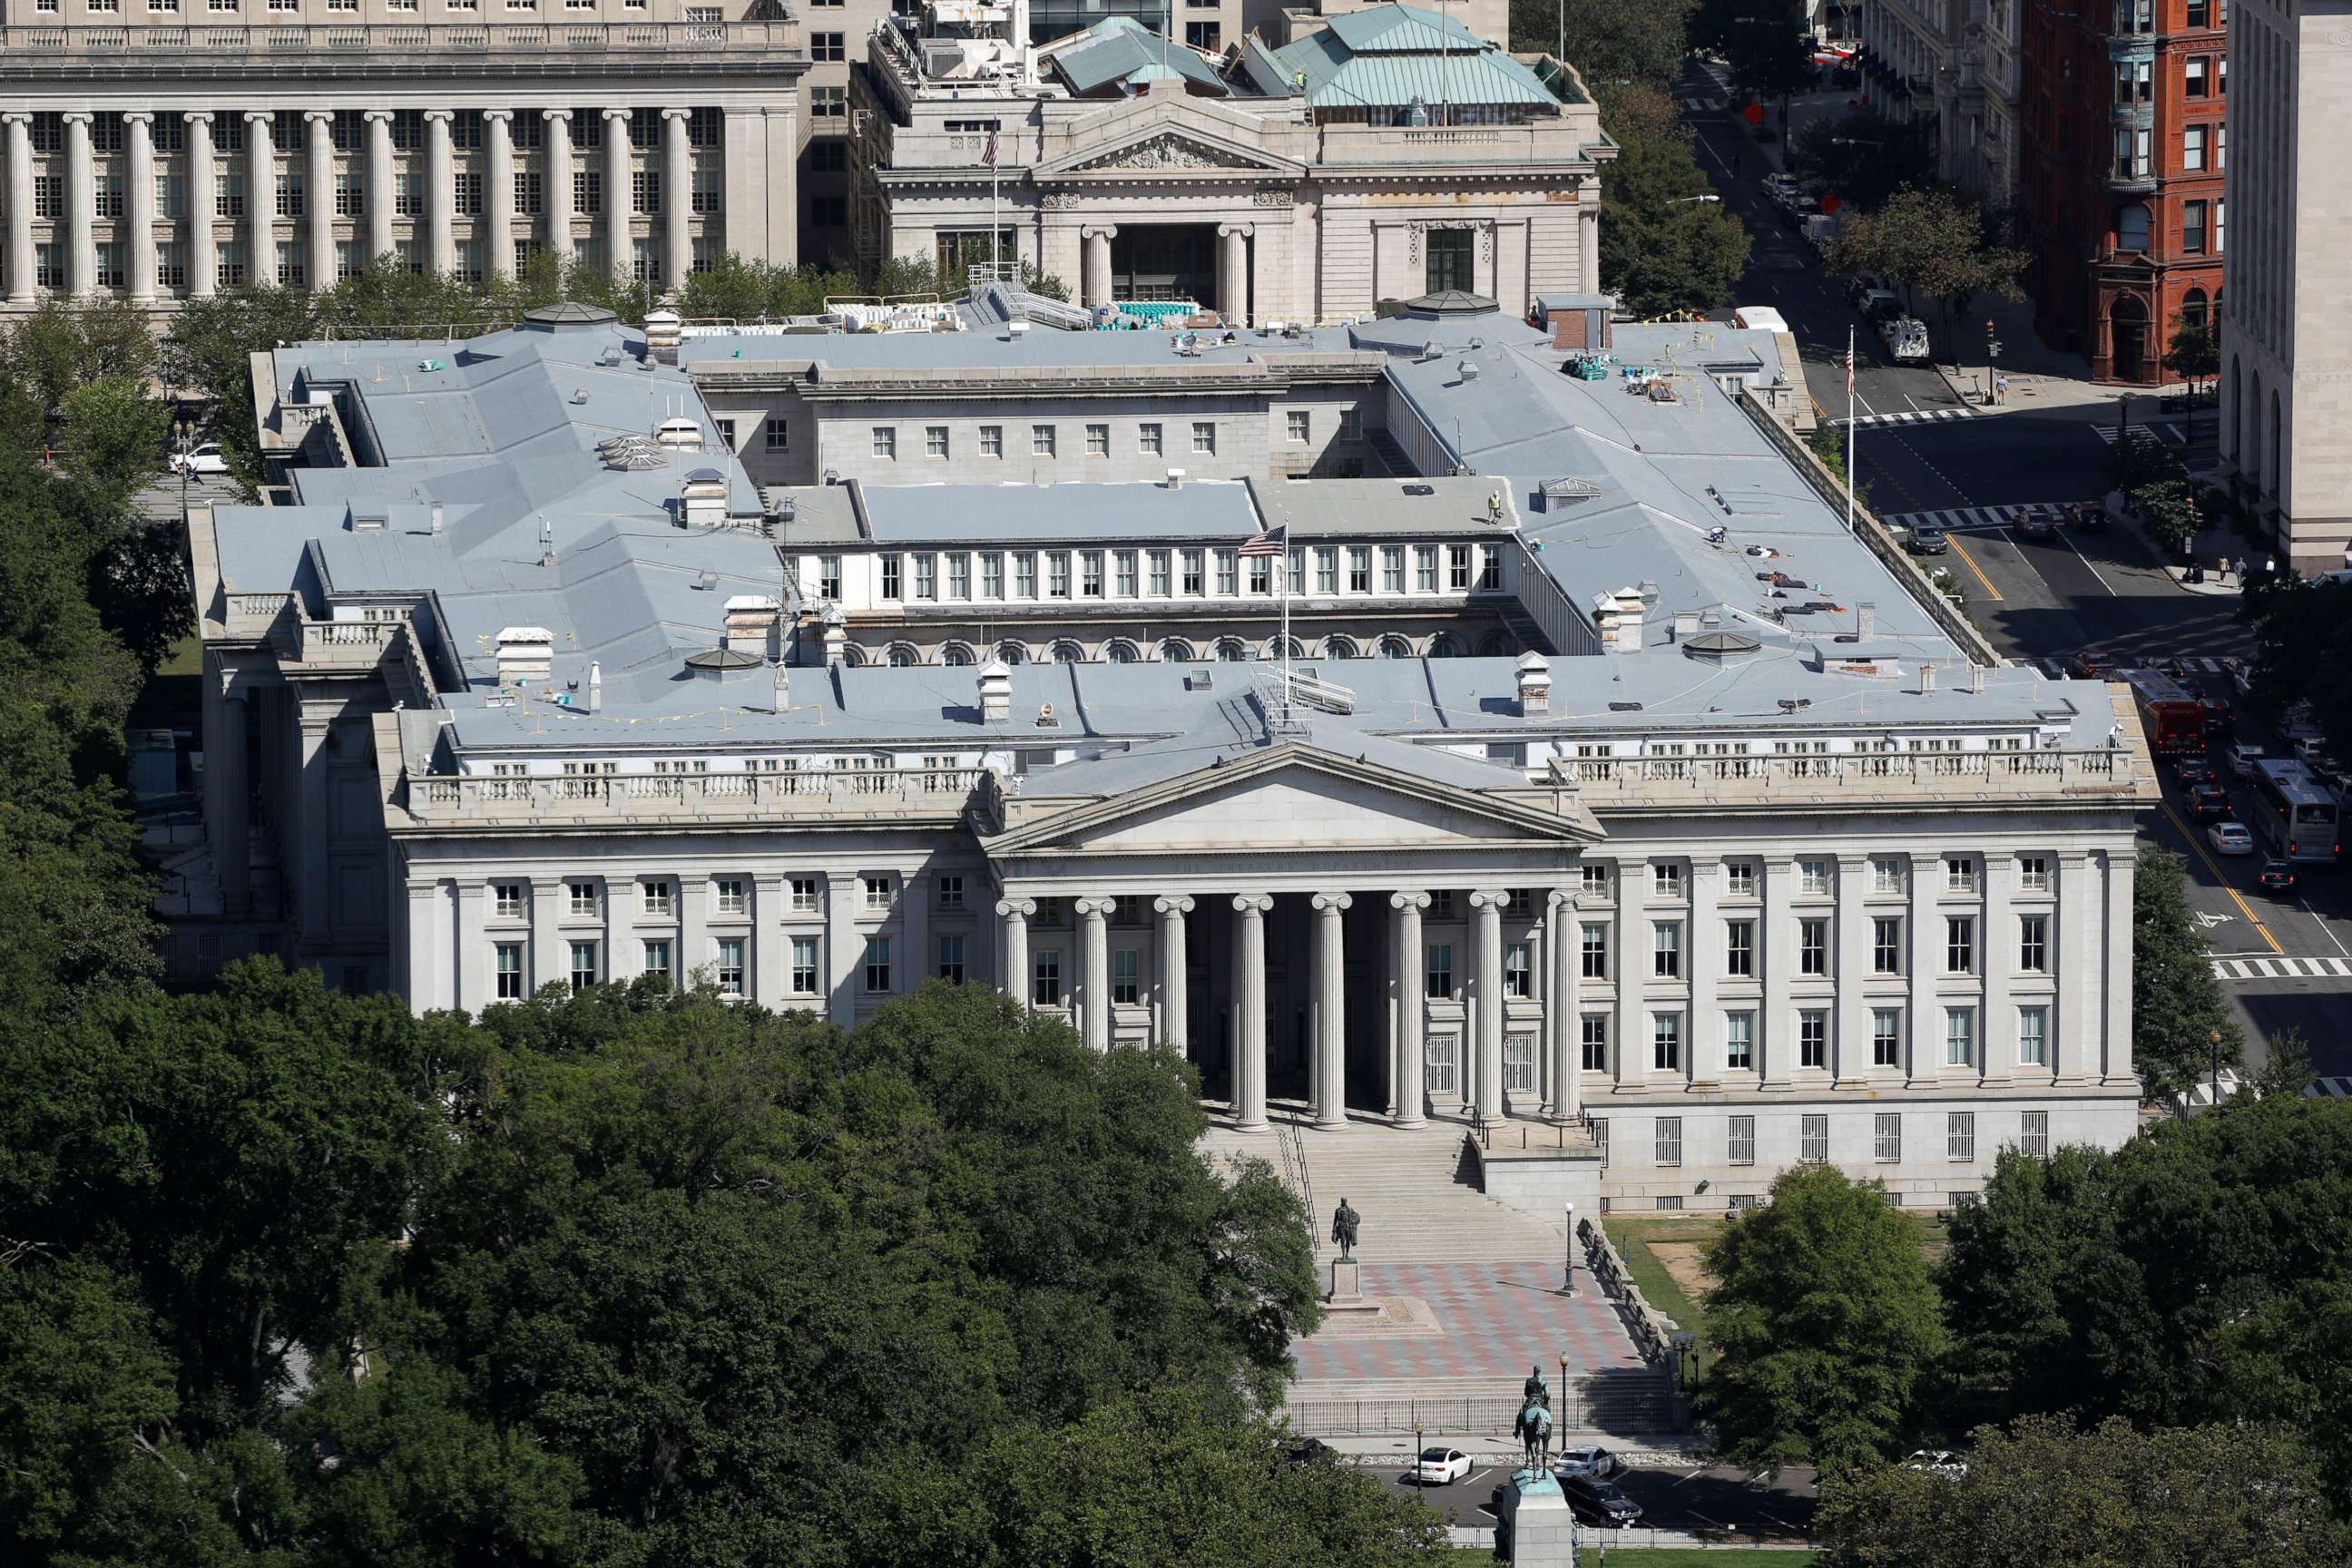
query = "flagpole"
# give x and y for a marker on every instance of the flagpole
(1285, 628)
(1849, 427)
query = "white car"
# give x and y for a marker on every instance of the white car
(1598, 1463)
(1938, 1461)
(204, 459)
(1441, 1467)
(2244, 755)
(2310, 749)
(2231, 838)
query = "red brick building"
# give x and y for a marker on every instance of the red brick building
(2119, 185)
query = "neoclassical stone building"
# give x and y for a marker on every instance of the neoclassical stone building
(160, 156)
(1381, 153)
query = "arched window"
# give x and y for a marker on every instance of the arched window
(1232, 650)
(1118, 650)
(1340, 647)
(2194, 310)
(956, 654)
(1395, 647)
(1443, 646)
(852, 656)
(1012, 653)
(1176, 650)
(1495, 645)
(1067, 652)
(1273, 648)
(903, 656)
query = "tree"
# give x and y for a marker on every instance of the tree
(2046, 1493)
(1663, 249)
(2194, 355)
(2303, 641)
(2168, 512)
(1609, 44)
(1864, 157)
(2010, 1278)
(1826, 1324)
(113, 438)
(2176, 1004)
(1928, 242)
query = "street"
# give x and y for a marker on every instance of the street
(1697, 1498)
(1924, 457)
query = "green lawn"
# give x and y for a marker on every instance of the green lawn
(1673, 1557)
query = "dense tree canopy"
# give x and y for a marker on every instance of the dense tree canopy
(1609, 43)
(2303, 644)
(2177, 1004)
(1935, 247)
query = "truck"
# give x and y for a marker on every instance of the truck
(2169, 713)
(1906, 339)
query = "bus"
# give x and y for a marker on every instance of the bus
(2294, 811)
(2169, 713)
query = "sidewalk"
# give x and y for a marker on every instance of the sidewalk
(1502, 1449)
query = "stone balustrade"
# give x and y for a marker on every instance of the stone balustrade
(911, 797)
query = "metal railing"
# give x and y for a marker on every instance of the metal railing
(368, 38)
(919, 793)
(1294, 1174)
(1937, 774)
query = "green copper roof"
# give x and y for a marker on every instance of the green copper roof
(1388, 55)
(1122, 49)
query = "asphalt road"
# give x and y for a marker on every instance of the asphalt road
(1699, 1497)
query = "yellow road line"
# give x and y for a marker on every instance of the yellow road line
(1972, 565)
(2245, 909)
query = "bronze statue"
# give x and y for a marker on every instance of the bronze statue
(1535, 1392)
(1345, 1221)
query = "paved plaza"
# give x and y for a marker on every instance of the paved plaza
(1484, 1319)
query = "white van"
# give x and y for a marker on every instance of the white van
(1759, 318)
(1906, 339)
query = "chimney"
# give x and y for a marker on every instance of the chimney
(1534, 673)
(434, 525)
(525, 654)
(1618, 617)
(1866, 620)
(702, 500)
(1685, 624)
(995, 693)
(1175, 479)
(1976, 679)
(836, 634)
(784, 686)
(596, 685)
(1927, 681)
(750, 624)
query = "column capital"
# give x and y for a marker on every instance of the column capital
(1410, 898)
(547, 115)
(24, 117)
(439, 116)
(1560, 901)
(259, 116)
(378, 116)
(1332, 903)
(2065, 857)
(1175, 903)
(81, 117)
(1093, 908)
(1228, 230)
(1016, 908)
(501, 115)
(1703, 862)
(680, 114)
(203, 117)
(1489, 899)
(138, 117)
(612, 114)
(1098, 231)
(1852, 861)
(1253, 903)
(318, 117)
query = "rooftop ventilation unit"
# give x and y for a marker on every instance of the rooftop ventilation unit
(631, 452)
(678, 431)
(1558, 495)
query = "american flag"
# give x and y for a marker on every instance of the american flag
(1849, 367)
(989, 157)
(1274, 541)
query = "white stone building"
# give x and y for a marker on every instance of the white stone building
(1745, 861)
(2285, 342)
(157, 157)
(1381, 153)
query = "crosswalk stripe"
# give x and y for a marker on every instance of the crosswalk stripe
(2283, 968)
(1915, 416)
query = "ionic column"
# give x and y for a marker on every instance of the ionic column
(318, 175)
(618, 254)
(139, 134)
(497, 193)
(1408, 1050)
(1588, 247)
(1486, 946)
(260, 200)
(1014, 914)
(1095, 276)
(1233, 272)
(1563, 1038)
(1776, 1030)
(20, 207)
(1175, 1009)
(1703, 954)
(1249, 1011)
(423, 956)
(441, 191)
(2122, 868)
(557, 140)
(379, 186)
(1330, 1011)
(677, 198)
(1632, 875)
(2074, 1033)
(81, 209)
(1850, 1041)
(204, 253)
(1094, 972)
(1997, 957)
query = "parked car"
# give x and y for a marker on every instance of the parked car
(2241, 673)
(2090, 665)
(1598, 1500)
(204, 459)
(2037, 522)
(2208, 802)
(2089, 516)
(1907, 338)
(1938, 1461)
(1441, 1467)
(2194, 771)
(1598, 1463)
(1927, 540)
(2278, 875)
(1880, 305)
(2220, 717)
(2231, 838)
(2310, 749)
(2242, 757)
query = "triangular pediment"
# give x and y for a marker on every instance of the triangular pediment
(1292, 798)
(1135, 144)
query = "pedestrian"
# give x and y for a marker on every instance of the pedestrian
(2270, 566)
(2224, 578)
(2001, 389)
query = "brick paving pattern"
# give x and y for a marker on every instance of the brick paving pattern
(1497, 1319)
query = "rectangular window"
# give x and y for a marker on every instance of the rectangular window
(734, 895)
(1041, 440)
(1097, 440)
(2034, 1135)
(583, 966)
(1961, 1135)
(950, 894)
(1666, 1041)
(1886, 945)
(1960, 944)
(1391, 568)
(877, 966)
(2199, 12)
(1813, 1139)
(1813, 1038)
(508, 963)
(1294, 424)
(1670, 1140)
(1739, 1041)
(1813, 947)
(880, 893)
(1886, 1136)
(2033, 943)
(1438, 976)
(1058, 574)
(1592, 881)
(2192, 228)
(1457, 568)
(2034, 873)
(1424, 568)
(1046, 979)
(1125, 982)
(2196, 76)
(1205, 436)
(1812, 876)
(1123, 573)
(1959, 1036)
(1359, 569)
(730, 968)
(1160, 577)
(1519, 971)
(893, 575)
(1740, 949)
(582, 895)
(1520, 1063)
(653, 897)
(1228, 573)
(507, 897)
(1594, 1031)
(1594, 951)
(991, 440)
(885, 441)
(658, 960)
(992, 575)
(1740, 880)
(828, 102)
(1666, 950)
(951, 960)
(1886, 1036)
(1193, 574)
(1326, 571)
(1743, 1141)
(958, 576)
(803, 967)
(1886, 875)
(2194, 141)
(2033, 1037)
(1666, 879)
(1024, 573)
(1147, 440)
(1440, 1059)
(1960, 875)
(935, 441)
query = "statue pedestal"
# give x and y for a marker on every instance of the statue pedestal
(1535, 1522)
(1347, 1291)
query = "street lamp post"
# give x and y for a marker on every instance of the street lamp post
(1992, 350)
(183, 441)
(1567, 1264)
(2213, 1043)
(1680, 201)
